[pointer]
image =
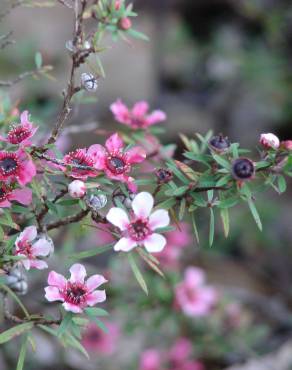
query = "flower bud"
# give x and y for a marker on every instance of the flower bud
(163, 175)
(270, 141)
(286, 144)
(89, 82)
(16, 280)
(96, 202)
(118, 4)
(125, 24)
(243, 169)
(77, 189)
(219, 143)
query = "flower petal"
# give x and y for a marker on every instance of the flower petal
(142, 204)
(27, 171)
(38, 264)
(155, 117)
(159, 218)
(136, 155)
(53, 294)
(125, 245)
(72, 307)
(194, 276)
(140, 109)
(118, 217)
(94, 282)
(95, 297)
(120, 111)
(155, 243)
(23, 196)
(114, 143)
(28, 234)
(78, 273)
(57, 280)
(41, 248)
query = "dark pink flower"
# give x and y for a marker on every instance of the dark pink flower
(96, 340)
(180, 356)
(116, 162)
(16, 166)
(75, 293)
(193, 296)
(83, 157)
(137, 117)
(150, 360)
(286, 144)
(28, 246)
(8, 194)
(21, 133)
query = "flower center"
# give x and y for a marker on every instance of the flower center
(116, 164)
(75, 293)
(24, 247)
(138, 122)
(139, 230)
(79, 158)
(18, 134)
(4, 191)
(8, 164)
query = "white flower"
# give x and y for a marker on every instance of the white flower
(270, 141)
(77, 189)
(140, 228)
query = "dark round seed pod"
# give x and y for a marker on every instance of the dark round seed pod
(219, 143)
(243, 169)
(163, 175)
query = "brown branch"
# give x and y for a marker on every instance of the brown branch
(67, 220)
(24, 75)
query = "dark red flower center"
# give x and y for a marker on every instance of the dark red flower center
(4, 192)
(138, 122)
(116, 164)
(139, 230)
(79, 158)
(18, 134)
(75, 293)
(24, 247)
(8, 164)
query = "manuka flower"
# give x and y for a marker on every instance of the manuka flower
(137, 117)
(140, 229)
(75, 293)
(96, 340)
(30, 248)
(21, 133)
(16, 166)
(117, 163)
(82, 157)
(8, 194)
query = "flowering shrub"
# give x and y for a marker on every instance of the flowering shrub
(113, 188)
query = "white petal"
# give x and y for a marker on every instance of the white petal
(142, 204)
(118, 217)
(125, 245)
(78, 273)
(41, 248)
(29, 234)
(159, 218)
(155, 243)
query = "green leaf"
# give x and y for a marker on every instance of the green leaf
(225, 220)
(212, 227)
(167, 204)
(137, 273)
(137, 35)
(22, 354)
(182, 209)
(17, 300)
(282, 184)
(93, 252)
(255, 214)
(9, 334)
(65, 324)
(95, 311)
(74, 343)
(195, 227)
(38, 60)
(223, 162)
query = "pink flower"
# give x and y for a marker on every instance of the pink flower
(16, 166)
(21, 133)
(28, 246)
(75, 293)
(8, 194)
(117, 163)
(286, 144)
(82, 157)
(77, 189)
(191, 365)
(270, 141)
(96, 340)
(180, 354)
(137, 117)
(140, 228)
(193, 296)
(150, 360)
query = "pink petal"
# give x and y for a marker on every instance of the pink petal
(78, 273)
(98, 153)
(155, 243)
(23, 196)
(5, 204)
(95, 297)
(28, 234)
(194, 276)
(131, 185)
(118, 217)
(120, 111)
(142, 204)
(57, 280)
(26, 172)
(2, 138)
(125, 245)
(38, 264)
(41, 248)
(155, 117)
(136, 155)
(24, 117)
(140, 109)
(26, 263)
(72, 307)
(94, 282)
(159, 218)
(53, 294)
(114, 143)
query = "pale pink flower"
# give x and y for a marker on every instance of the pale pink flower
(16, 166)
(137, 117)
(96, 340)
(77, 189)
(270, 141)
(193, 296)
(150, 360)
(287, 144)
(139, 228)
(8, 194)
(30, 248)
(20, 134)
(75, 293)
(116, 162)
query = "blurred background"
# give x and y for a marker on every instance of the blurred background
(224, 65)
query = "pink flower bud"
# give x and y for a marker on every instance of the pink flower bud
(118, 5)
(77, 189)
(286, 144)
(125, 23)
(270, 141)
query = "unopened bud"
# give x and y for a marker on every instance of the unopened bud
(96, 202)
(125, 24)
(286, 144)
(89, 82)
(16, 280)
(118, 4)
(77, 189)
(270, 141)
